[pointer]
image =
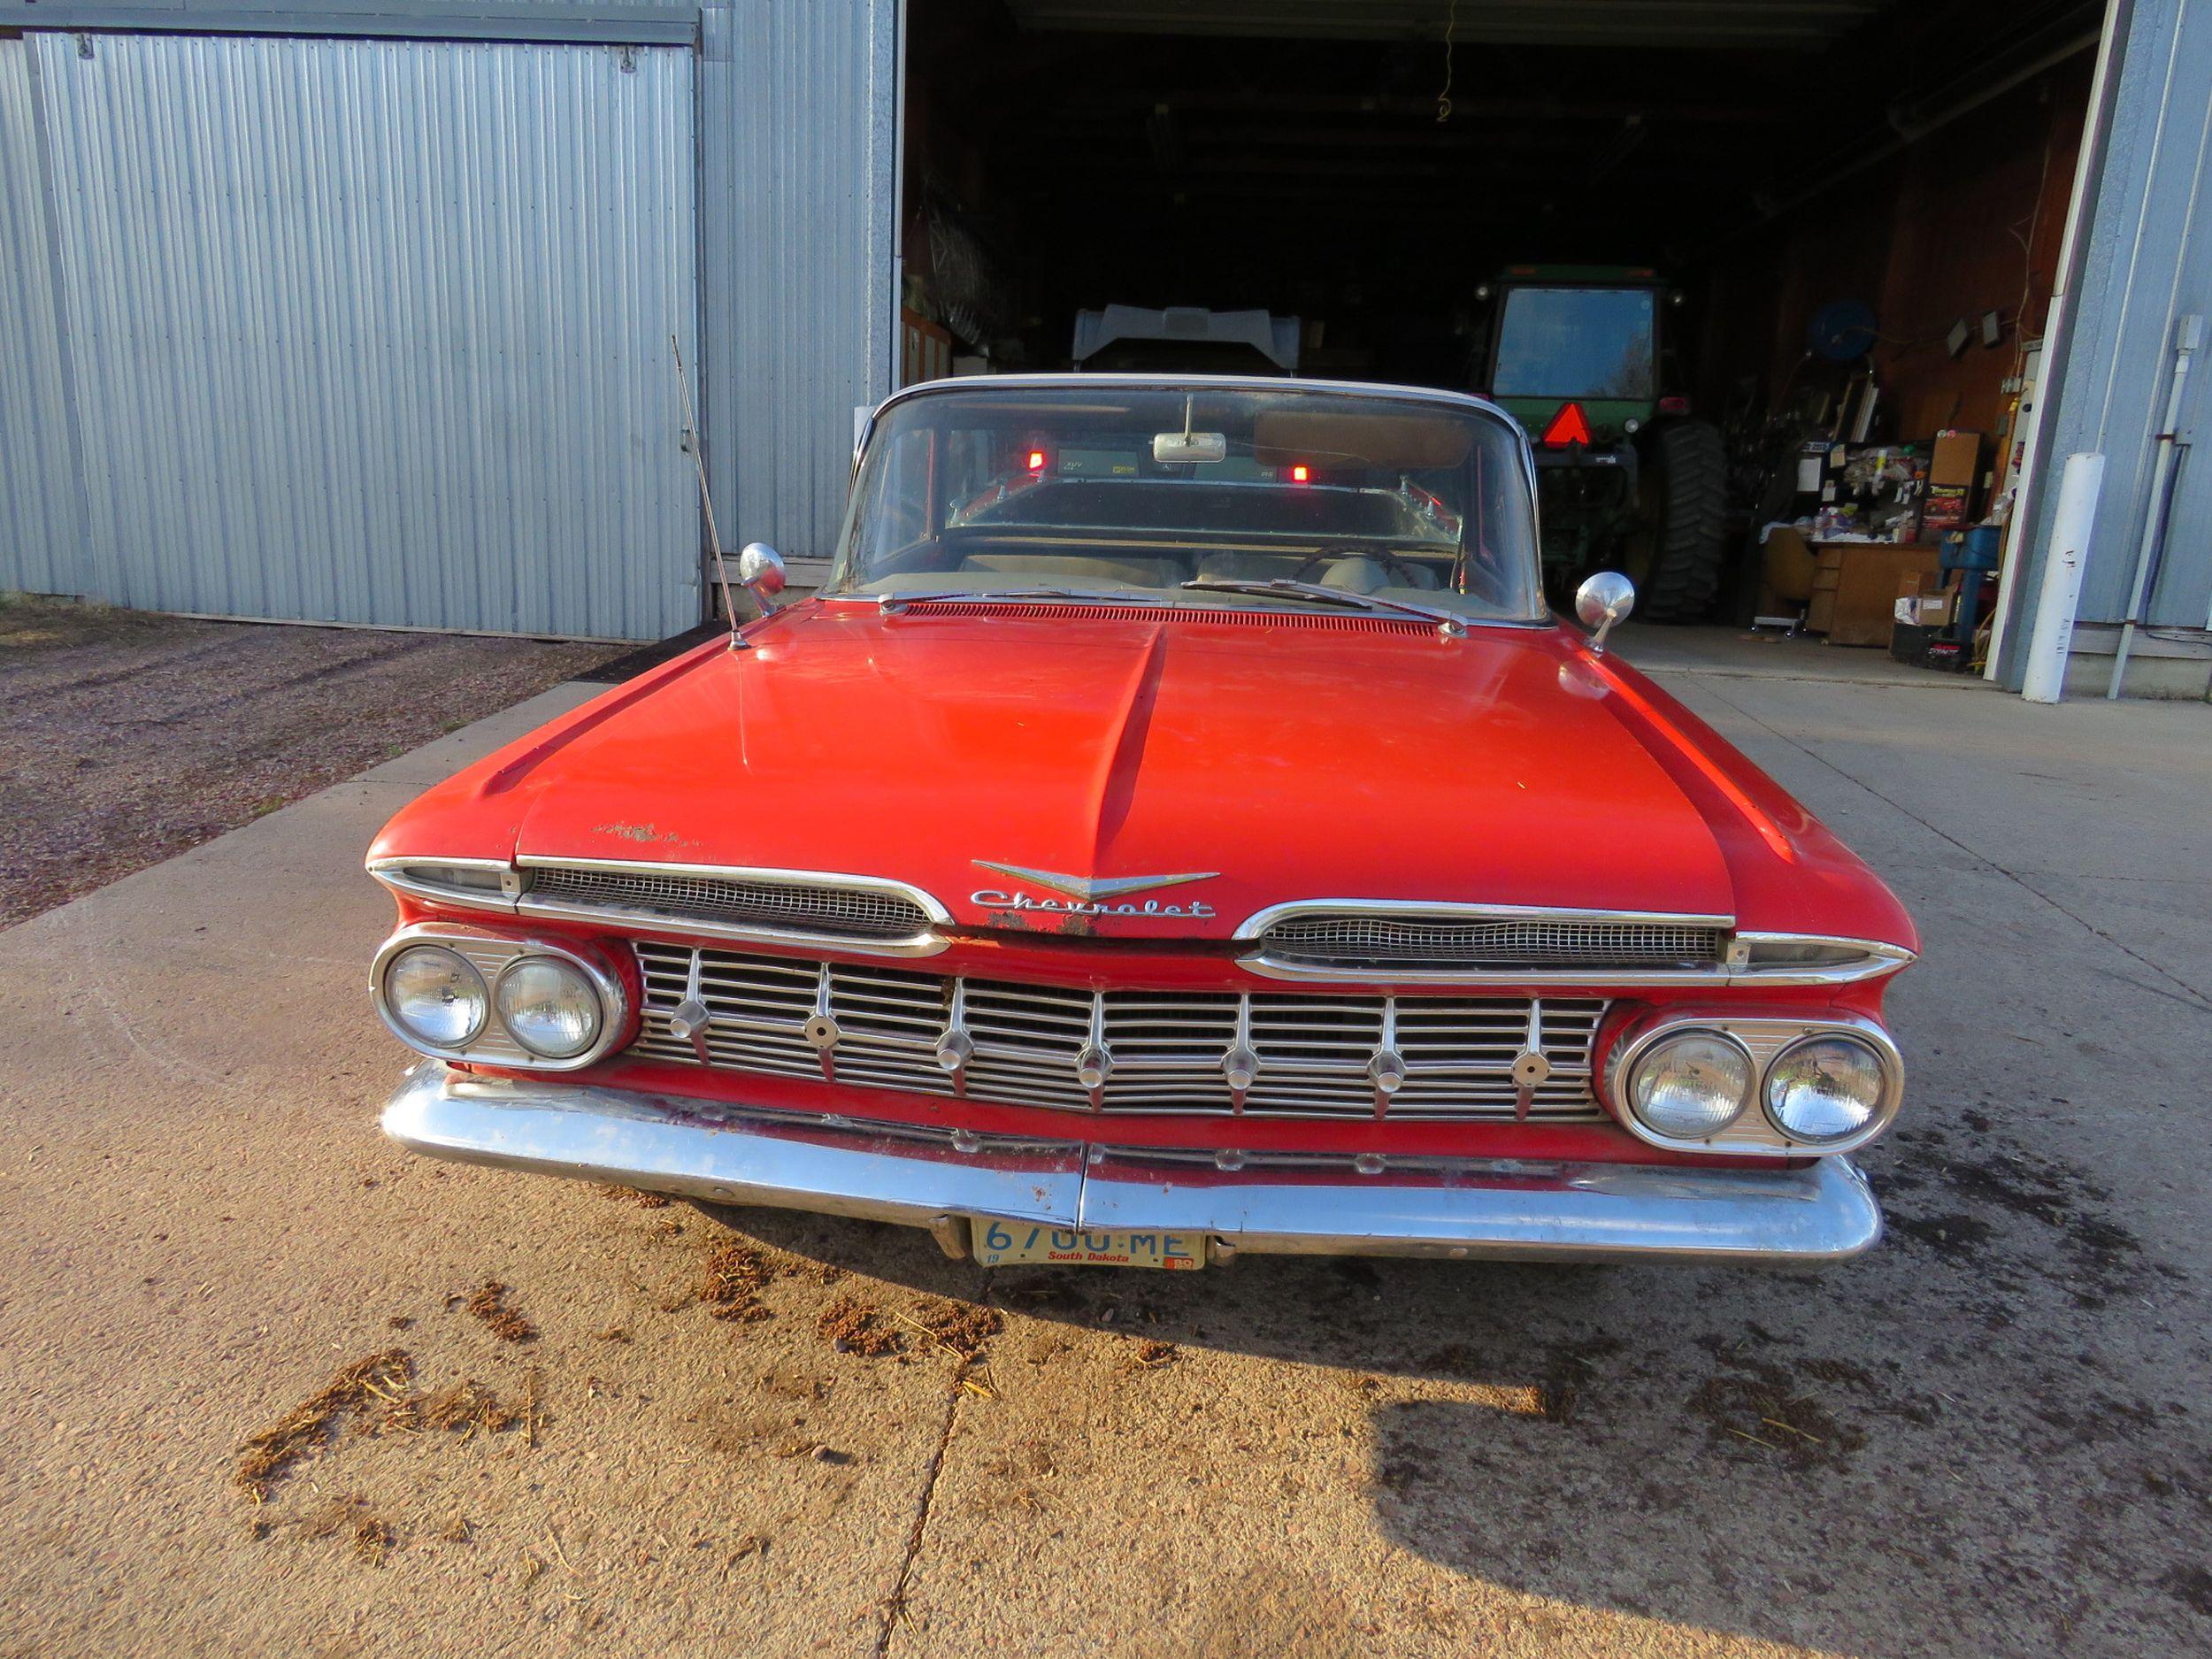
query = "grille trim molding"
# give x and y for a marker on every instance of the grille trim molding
(1634, 935)
(871, 905)
(1311, 1055)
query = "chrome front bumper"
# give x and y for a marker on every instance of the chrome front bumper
(1303, 1205)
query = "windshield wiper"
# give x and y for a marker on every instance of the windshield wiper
(893, 600)
(1283, 588)
(1112, 595)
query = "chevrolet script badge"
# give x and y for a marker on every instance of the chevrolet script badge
(1085, 896)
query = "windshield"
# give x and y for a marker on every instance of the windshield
(1136, 492)
(1575, 342)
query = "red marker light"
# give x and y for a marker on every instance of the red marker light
(1674, 405)
(1300, 473)
(1567, 427)
(1036, 460)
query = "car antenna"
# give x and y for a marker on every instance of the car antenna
(738, 641)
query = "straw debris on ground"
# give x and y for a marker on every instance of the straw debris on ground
(465, 1405)
(313, 1423)
(489, 1305)
(960, 1328)
(373, 1541)
(731, 1280)
(642, 1200)
(855, 1327)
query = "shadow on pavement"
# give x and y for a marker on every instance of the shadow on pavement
(1885, 1460)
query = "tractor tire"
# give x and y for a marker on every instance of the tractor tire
(1686, 522)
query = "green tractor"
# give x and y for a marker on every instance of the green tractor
(1627, 481)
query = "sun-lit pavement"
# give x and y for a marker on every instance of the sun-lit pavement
(1990, 1436)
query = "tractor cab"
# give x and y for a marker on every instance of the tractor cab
(1575, 353)
(1579, 355)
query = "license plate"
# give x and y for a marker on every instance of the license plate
(1011, 1243)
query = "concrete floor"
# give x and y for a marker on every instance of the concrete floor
(1739, 653)
(1992, 1436)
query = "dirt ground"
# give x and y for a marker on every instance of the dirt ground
(126, 737)
(270, 1386)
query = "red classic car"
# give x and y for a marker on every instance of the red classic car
(1178, 829)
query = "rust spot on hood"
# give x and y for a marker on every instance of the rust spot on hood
(1057, 924)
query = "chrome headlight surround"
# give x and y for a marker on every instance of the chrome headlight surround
(483, 884)
(492, 956)
(1812, 959)
(1753, 1133)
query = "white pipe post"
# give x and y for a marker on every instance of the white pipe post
(2060, 590)
(2187, 333)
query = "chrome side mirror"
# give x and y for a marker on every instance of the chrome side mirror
(760, 573)
(1602, 601)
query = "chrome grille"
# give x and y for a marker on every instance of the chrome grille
(1163, 1051)
(1490, 944)
(822, 910)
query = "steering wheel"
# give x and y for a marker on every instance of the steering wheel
(1409, 575)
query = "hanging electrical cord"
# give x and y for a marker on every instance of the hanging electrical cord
(1444, 97)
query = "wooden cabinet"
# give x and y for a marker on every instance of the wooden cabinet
(1855, 586)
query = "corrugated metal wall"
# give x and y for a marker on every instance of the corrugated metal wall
(42, 503)
(2147, 263)
(377, 331)
(799, 153)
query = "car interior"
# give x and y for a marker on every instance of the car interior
(1357, 502)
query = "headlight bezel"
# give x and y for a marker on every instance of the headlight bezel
(1753, 1135)
(492, 954)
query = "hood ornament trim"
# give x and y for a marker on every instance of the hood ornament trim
(1090, 889)
(1086, 895)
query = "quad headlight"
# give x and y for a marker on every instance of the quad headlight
(436, 995)
(1691, 1085)
(1825, 1088)
(1762, 1087)
(460, 994)
(549, 1006)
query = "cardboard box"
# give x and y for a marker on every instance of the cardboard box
(1925, 599)
(1957, 461)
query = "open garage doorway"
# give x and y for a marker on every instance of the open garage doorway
(1681, 241)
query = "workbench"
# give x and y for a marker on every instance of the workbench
(1855, 586)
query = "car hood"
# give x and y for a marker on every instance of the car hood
(1281, 757)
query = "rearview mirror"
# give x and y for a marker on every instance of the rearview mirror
(1179, 449)
(1602, 601)
(760, 573)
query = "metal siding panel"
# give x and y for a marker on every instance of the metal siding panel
(2148, 263)
(663, 22)
(42, 520)
(800, 140)
(2184, 595)
(377, 332)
